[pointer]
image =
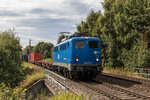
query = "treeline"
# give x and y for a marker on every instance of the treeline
(45, 48)
(124, 30)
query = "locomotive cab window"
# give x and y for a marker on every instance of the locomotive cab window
(93, 44)
(67, 45)
(79, 44)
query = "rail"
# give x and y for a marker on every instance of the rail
(142, 72)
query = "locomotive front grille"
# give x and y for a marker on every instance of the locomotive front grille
(87, 67)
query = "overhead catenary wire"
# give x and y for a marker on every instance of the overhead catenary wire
(81, 14)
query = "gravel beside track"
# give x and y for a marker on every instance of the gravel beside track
(131, 85)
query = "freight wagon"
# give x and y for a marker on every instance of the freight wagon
(28, 57)
(25, 58)
(35, 57)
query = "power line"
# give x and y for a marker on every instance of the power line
(82, 12)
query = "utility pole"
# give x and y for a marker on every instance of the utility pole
(30, 46)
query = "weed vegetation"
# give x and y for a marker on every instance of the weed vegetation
(33, 75)
(119, 71)
(48, 60)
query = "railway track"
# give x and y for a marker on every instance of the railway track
(142, 88)
(101, 90)
(115, 93)
(138, 80)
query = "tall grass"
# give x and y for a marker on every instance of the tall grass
(31, 79)
(33, 75)
(28, 65)
(66, 96)
(121, 72)
(48, 60)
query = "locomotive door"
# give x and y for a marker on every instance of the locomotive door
(67, 53)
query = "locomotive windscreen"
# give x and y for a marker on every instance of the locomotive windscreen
(93, 44)
(79, 44)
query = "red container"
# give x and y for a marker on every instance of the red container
(26, 57)
(35, 56)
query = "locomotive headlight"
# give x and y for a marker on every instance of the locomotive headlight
(97, 59)
(86, 38)
(77, 59)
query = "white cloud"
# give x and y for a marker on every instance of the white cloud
(38, 19)
(35, 40)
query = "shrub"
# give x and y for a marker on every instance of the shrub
(10, 59)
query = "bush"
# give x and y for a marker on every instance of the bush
(10, 59)
(7, 93)
(68, 96)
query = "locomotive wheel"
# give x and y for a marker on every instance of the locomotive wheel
(61, 71)
(75, 75)
(65, 72)
(70, 75)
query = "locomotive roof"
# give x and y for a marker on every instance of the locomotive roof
(77, 38)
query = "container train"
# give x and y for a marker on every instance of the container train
(32, 58)
(77, 57)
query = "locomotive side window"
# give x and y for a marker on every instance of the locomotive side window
(61, 47)
(67, 45)
(79, 44)
(58, 48)
(93, 44)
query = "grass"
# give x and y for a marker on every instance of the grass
(28, 65)
(65, 96)
(33, 75)
(31, 79)
(48, 60)
(121, 72)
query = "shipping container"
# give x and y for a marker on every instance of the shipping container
(28, 57)
(24, 58)
(35, 57)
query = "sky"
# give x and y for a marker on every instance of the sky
(42, 20)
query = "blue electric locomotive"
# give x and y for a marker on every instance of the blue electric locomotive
(79, 56)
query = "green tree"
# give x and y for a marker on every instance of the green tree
(26, 50)
(60, 38)
(44, 48)
(124, 29)
(10, 59)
